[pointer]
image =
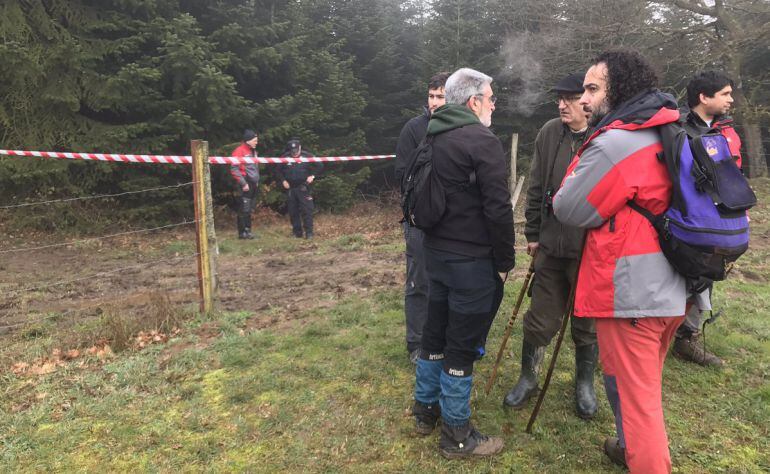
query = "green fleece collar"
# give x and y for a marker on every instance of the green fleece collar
(450, 116)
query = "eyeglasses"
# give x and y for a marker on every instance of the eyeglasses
(568, 99)
(492, 98)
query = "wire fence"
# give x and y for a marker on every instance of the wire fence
(16, 298)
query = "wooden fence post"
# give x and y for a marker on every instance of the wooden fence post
(203, 220)
(515, 183)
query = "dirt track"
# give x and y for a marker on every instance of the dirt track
(279, 282)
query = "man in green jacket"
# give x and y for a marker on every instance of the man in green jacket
(556, 248)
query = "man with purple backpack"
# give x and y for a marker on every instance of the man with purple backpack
(709, 98)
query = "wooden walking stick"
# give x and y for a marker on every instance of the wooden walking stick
(509, 327)
(541, 395)
(567, 314)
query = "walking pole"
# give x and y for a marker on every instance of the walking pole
(567, 314)
(509, 327)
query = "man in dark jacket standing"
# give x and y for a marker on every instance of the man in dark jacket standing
(709, 98)
(468, 255)
(556, 248)
(296, 178)
(246, 176)
(416, 286)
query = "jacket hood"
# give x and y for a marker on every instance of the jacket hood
(647, 109)
(450, 116)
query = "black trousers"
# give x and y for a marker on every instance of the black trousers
(415, 288)
(247, 204)
(463, 297)
(301, 206)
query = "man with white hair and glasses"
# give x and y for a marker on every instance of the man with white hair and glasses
(468, 255)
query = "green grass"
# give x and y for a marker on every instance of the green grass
(330, 393)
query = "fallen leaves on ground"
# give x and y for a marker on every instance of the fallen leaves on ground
(58, 358)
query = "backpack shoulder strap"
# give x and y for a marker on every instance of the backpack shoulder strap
(646, 213)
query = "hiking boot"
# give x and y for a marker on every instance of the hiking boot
(458, 442)
(526, 387)
(245, 236)
(309, 236)
(585, 395)
(615, 452)
(425, 417)
(688, 349)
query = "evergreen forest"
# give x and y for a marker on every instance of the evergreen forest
(147, 76)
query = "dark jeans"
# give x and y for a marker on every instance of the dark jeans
(554, 278)
(247, 204)
(464, 295)
(300, 204)
(415, 288)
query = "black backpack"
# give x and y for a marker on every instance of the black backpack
(423, 196)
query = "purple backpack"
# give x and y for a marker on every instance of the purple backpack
(705, 228)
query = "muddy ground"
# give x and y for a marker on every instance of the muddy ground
(274, 277)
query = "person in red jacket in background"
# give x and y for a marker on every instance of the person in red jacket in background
(246, 176)
(709, 98)
(625, 282)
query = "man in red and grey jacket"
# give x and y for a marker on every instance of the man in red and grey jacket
(246, 176)
(625, 282)
(709, 98)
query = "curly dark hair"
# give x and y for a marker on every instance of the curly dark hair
(629, 73)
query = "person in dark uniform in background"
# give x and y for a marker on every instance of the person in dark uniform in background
(296, 177)
(246, 176)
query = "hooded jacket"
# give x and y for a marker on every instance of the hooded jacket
(623, 273)
(478, 222)
(555, 146)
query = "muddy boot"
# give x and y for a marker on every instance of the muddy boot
(425, 417)
(688, 349)
(531, 358)
(464, 441)
(585, 395)
(615, 452)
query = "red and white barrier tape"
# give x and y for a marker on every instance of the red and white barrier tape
(218, 160)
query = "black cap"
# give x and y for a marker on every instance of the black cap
(248, 134)
(293, 145)
(571, 84)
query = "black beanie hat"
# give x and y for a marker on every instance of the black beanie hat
(248, 134)
(572, 84)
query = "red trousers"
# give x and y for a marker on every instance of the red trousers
(632, 353)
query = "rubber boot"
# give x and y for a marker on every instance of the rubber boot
(690, 350)
(241, 226)
(526, 387)
(585, 395)
(464, 441)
